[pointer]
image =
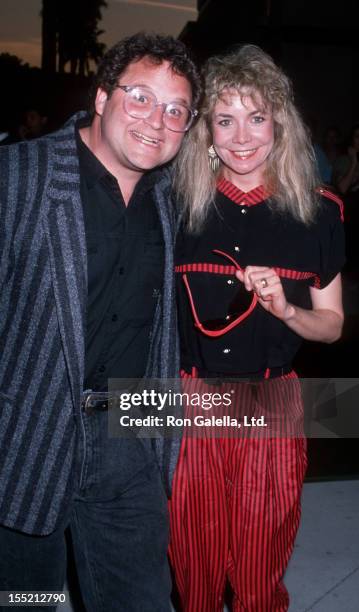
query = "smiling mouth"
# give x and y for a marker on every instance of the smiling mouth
(154, 142)
(245, 154)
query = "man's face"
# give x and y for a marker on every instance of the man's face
(126, 143)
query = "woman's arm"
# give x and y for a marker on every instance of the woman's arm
(323, 323)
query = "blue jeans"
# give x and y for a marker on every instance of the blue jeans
(119, 527)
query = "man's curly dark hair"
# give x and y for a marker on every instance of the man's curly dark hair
(158, 48)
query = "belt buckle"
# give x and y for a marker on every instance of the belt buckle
(93, 401)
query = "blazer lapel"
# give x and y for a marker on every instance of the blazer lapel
(65, 232)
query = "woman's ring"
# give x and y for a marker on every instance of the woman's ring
(264, 283)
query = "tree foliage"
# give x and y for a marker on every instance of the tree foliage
(11, 63)
(71, 31)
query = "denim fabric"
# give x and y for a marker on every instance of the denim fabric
(119, 527)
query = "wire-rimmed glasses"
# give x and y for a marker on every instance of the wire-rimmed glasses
(140, 102)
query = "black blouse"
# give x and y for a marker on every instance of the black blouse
(244, 226)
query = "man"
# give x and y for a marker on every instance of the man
(87, 295)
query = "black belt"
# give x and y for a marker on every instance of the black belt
(267, 373)
(96, 401)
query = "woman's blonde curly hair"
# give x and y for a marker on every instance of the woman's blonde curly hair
(290, 174)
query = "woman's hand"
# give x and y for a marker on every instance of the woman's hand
(266, 283)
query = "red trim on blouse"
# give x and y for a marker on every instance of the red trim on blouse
(249, 198)
(231, 270)
(332, 196)
(206, 267)
(260, 194)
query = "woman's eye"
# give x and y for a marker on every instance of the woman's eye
(224, 122)
(258, 119)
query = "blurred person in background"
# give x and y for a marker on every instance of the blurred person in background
(346, 181)
(331, 143)
(346, 167)
(30, 123)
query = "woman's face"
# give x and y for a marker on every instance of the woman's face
(243, 137)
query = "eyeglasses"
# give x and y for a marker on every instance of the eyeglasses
(237, 312)
(140, 103)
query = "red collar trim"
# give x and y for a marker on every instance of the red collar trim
(249, 198)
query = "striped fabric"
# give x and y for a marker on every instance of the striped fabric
(250, 198)
(235, 509)
(260, 194)
(43, 294)
(231, 270)
(332, 196)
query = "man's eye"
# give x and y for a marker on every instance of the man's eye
(174, 111)
(141, 98)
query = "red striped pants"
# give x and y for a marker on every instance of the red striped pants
(235, 512)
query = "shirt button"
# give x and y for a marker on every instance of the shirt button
(114, 317)
(230, 282)
(243, 211)
(102, 368)
(226, 351)
(236, 248)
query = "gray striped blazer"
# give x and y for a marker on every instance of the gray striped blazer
(43, 293)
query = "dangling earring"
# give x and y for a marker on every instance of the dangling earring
(213, 159)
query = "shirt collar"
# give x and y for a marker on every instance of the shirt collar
(250, 198)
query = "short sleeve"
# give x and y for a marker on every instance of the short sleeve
(331, 240)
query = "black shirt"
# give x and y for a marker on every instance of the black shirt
(125, 252)
(244, 226)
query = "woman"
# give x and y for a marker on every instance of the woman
(256, 220)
